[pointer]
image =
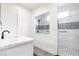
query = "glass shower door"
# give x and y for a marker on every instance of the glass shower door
(68, 29)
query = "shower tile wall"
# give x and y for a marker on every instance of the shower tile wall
(68, 30)
(72, 25)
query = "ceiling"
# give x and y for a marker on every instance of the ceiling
(30, 5)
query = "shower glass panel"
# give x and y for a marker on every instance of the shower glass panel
(68, 29)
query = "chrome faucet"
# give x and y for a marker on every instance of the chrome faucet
(2, 37)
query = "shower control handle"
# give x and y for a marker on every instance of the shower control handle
(63, 31)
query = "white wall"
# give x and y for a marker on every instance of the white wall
(9, 17)
(15, 18)
(0, 12)
(24, 17)
(47, 42)
(0, 19)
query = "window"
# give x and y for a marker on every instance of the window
(48, 18)
(63, 14)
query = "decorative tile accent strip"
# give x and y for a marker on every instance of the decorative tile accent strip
(72, 25)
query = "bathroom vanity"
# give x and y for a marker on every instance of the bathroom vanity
(16, 46)
(13, 45)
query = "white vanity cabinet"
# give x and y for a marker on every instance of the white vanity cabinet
(25, 50)
(21, 46)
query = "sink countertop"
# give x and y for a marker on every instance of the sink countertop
(14, 42)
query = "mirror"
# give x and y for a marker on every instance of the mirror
(42, 23)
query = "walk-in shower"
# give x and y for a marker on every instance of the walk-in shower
(68, 29)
